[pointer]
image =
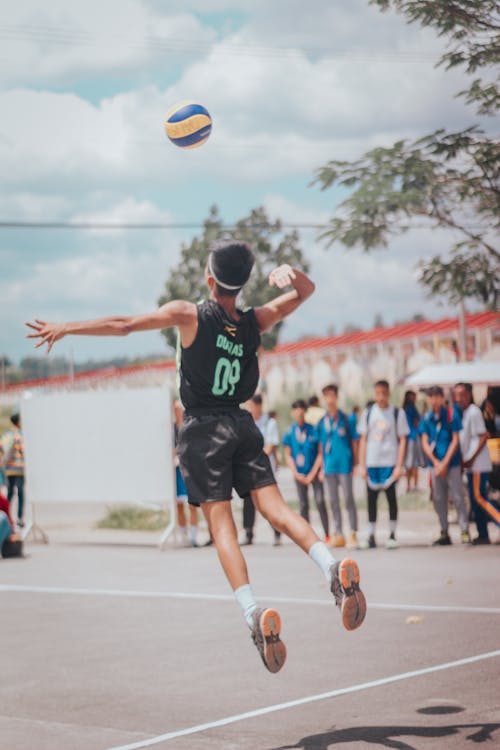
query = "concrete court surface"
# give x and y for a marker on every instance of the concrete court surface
(122, 646)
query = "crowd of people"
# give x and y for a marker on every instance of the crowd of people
(324, 446)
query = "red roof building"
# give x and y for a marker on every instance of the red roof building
(352, 359)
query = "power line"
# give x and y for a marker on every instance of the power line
(83, 225)
(142, 225)
(64, 36)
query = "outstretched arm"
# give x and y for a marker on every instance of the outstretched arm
(278, 309)
(177, 313)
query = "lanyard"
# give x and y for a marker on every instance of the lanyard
(300, 434)
(439, 427)
(331, 426)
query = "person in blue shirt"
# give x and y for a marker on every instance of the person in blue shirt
(413, 456)
(439, 429)
(301, 451)
(352, 421)
(337, 456)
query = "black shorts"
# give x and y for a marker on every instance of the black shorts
(219, 451)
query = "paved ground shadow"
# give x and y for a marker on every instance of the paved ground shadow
(391, 736)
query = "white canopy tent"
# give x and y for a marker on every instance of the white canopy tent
(477, 373)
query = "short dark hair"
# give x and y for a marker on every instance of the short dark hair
(230, 262)
(466, 386)
(435, 390)
(15, 419)
(299, 404)
(330, 387)
(381, 384)
(406, 400)
(256, 399)
(313, 401)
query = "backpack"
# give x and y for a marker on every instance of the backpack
(12, 548)
(395, 411)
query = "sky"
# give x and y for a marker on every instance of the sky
(84, 88)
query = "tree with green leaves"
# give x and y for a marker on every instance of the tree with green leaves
(472, 29)
(271, 245)
(449, 180)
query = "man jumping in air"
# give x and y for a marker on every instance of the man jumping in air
(219, 445)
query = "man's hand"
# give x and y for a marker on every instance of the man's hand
(397, 473)
(282, 276)
(300, 478)
(363, 472)
(441, 469)
(48, 333)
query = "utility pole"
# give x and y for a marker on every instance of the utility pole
(462, 331)
(71, 368)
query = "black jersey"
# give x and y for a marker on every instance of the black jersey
(220, 369)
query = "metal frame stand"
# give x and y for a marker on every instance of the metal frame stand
(33, 532)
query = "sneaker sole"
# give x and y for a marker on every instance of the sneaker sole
(274, 648)
(353, 609)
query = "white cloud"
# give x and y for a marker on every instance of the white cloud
(289, 86)
(92, 274)
(353, 286)
(260, 126)
(56, 40)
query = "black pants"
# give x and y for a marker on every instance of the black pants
(249, 518)
(13, 483)
(248, 515)
(390, 493)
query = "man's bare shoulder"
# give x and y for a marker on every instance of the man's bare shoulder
(183, 311)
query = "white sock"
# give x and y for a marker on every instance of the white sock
(392, 526)
(193, 531)
(245, 598)
(323, 558)
(371, 529)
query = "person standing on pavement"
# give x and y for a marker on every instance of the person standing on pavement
(336, 458)
(413, 451)
(13, 446)
(301, 451)
(181, 490)
(269, 430)
(476, 459)
(383, 429)
(352, 421)
(440, 428)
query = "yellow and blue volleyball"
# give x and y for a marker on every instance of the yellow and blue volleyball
(188, 124)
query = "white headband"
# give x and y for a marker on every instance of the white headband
(220, 283)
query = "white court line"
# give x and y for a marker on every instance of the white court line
(303, 701)
(327, 602)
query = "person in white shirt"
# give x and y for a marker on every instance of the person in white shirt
(383, 429)
(476, 460)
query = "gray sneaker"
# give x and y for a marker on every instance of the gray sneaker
(348, 596)
(266, 636)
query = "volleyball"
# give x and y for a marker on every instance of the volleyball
(188, 124)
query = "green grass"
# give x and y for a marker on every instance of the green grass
(132, 518)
